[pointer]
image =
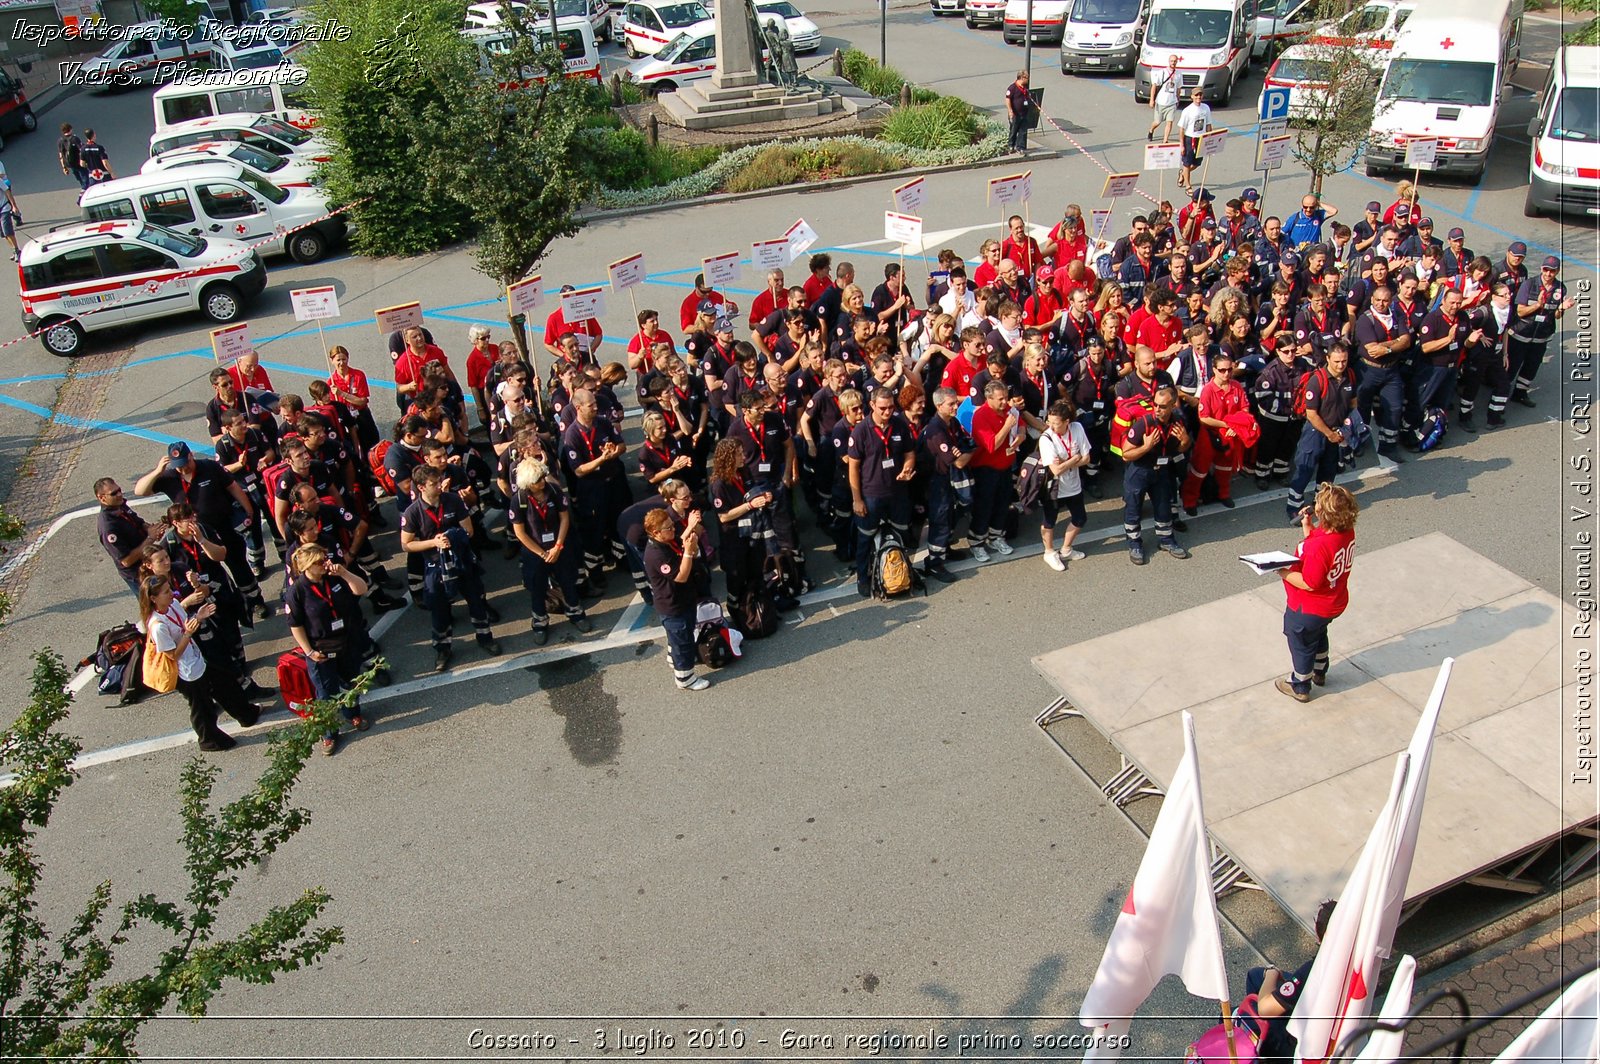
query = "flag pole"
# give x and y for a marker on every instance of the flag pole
(1227, 1029)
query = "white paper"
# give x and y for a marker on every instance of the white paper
(1163, 156)
(396, 318)
(801, 237)
(903, 229)
(313, 304)
(230, 341)
(1271, 153)
(1212, 143)
(1119, 185)
(721, 269)
(625, 273)
(583, 304)
(770, 254)
(525, 296)
(1421, 153)
(1268, 561)
(909, 197)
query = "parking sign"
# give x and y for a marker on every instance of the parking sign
(1274, 102)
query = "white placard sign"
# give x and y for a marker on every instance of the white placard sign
(1163, 156)
(800, 237)
(1099, 223)
(525, 296)
(909, 197)
(230, 341)
(583, 304)
(398, 317)
(314, 304)
(721, 269)
(1119, 185)
(1271, 153)
(1212, 143)
(625, 273)
(770, 254)
(1422, 152)
(902, 229)
(1013, 188)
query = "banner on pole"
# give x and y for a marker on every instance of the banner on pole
(398, 317)
(1212, 143)
(625, 273)
(721, 269)
(801, 237)
(902, 229)
(770, 254)
(1163, 156)
(910, 197)
(583, 304)
(1099, 223)
(1422, 152)
(1013, 188)
(314, 304)
(1119, 185)
(230, 341)
(525, 296)
(1272, 153)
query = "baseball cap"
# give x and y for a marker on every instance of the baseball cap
(1517, 248)
(568, 288)
(1457, 233)
(1403, 211)
(178, 451)
(1552, 263)
(1250, 195)
(1045, 273)
(1424, 223)
(1202, 193)
(1209, 223)
(1290, 258)
(1374, 206)
(722, 324)
(707, 307)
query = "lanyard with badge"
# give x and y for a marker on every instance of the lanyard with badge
(547, 536)
(336, 623)
(888, 454)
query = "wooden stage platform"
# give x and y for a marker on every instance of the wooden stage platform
(1291, 790)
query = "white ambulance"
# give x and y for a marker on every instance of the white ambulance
(1213, 40)
(1564, 163)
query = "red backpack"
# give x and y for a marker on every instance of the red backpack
(380, 472)
(294, 682)
(1305, 382)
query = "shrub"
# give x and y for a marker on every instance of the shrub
(863, 71)
(948, 122)
(787, 164)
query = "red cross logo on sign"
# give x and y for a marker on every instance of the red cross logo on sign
(1447, 44)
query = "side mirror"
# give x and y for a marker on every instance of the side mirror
(1533, 126)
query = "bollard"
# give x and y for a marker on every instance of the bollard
(905, 94)
(838, 63)
(652, 130)
(616, 90)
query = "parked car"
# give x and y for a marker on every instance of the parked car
(689, 57)
(947, 7)
(1564, 160)
(646, 26)
(985, 13)
(283, 171)
(261, 131)
(803, 33)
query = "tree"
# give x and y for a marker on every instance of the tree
(10, 529)
(515, 157)
(56, 997)
(1345, 102)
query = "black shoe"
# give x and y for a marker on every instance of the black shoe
(419, 600)
(384, 603)
(1262, 483)
(489, 645)
(1524, 399)
(441, 659)
(513, 548)
(1464, 423)
(541, 634)
(381, 577)
(1192, 511)
(1496, 423)
(937, 571)
(381, 678)
(492, 613)
(1094, 490)
(957, 554)
(1411, 443)
(864, 592)
(582, 623)
(264, 611)
(1228, 503)
(253, 690)
(1180, 524)
(249, 717)
(1320, 679)
(221, 741)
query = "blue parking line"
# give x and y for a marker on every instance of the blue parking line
(199, 447)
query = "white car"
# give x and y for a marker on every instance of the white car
(986, 13)
(947, 7)
(1280, 23)
(647, 26)
(689, 57)
(1303, 70)
(490, 15)
(1374, 25)
(260, 131)
(82, 278)
(803, 33)
(285, 172)
(276, 16)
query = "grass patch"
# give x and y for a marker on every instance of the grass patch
(782, 164)
(884, 82)
(1586, 34)
(947, 122)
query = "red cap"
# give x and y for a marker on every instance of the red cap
(1044, 273)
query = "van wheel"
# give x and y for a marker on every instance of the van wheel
(29, 122)
(63, 337)
(1530, 209)
(627, 46)
(1227, 93)
(307, 245)
(662, 86)
(221, 303)
(1372, 170)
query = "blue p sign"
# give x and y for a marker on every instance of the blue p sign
(1274, 102)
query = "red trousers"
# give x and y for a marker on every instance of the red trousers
(1205, 457)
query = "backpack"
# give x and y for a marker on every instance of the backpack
(756, 614)
(117, 658)
(1031, 480)
(69, 147)
(1300, 389)
(784, 579)
(380, 472)
(1212, 1047)
(892, 574)
(294, 682)
(712, 647)
(1431, 433)
(269, 482)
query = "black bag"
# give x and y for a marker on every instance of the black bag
(784, 579)
(756, 614)
(118, 658)
(712, 647)
(1033, 480)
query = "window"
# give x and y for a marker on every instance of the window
(1106, 12)
(1182, 28)
(262, 187)
(110, 211)
(135, 258)
(226, 201)
(139, 49)
(177, 243)
(170, 207)
(1440, 81)
(72, 267)
(296, 97)
(1400, 17)
(186, 108)
(1576, 116)
(256, 140)
(251, 99)
(282, 130)
(704, 48)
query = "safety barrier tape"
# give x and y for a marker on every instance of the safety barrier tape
(1086, 153)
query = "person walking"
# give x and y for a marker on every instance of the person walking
(1317, 587)
(69, 149)
(1164, 99)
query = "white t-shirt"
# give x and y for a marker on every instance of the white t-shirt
(1166, 87)
(167, 629)
(1195, 119)
(947, 303)
(1053, 448)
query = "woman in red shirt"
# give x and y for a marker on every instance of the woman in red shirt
(1318, 587)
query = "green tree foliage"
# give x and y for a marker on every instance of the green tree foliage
(1345, 109)
(384, 98)
(178, 13)
(10, 529)
(57, 1000)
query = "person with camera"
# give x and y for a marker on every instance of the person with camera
(678, 578)
(1317, 587)
(123, 533)
(438, 528)
(172, 631)
(322, 605)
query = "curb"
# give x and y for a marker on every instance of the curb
(1509, 933)
(1033, 156)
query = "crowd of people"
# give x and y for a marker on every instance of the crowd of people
(1194, 349)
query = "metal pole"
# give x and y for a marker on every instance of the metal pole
(883, 32)
(1027, 43)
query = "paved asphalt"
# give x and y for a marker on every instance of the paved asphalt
(576, 838)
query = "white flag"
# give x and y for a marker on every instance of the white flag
(1168, 924)
(1567, 1033)
(1384, 1046)
(1337, 995)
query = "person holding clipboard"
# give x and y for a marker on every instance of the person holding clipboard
(1318, 587)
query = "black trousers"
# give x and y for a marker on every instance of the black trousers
(214, 691)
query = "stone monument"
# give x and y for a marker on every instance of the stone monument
(736, 94)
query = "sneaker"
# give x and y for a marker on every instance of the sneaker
(541, 634)
(1094, 490)
(360, 723)
(937, 571)
(441, 659)
(1192, 511)
(258, 570)
(330, 746)
(1003, 547)
(1287, 688)
(1053, 560)
(1074, 555)
(1171, 547)
(582, 623)
(1320, 679)
(490, 646)
(1524, 399)
(699, 683)
(1136, 553)
(979, 554)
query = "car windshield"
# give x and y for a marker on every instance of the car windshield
(1105, 12)
(677, 16)
(1290, 68)
(1180, 28)
(167, 240)
(1576, 116)
(258, 59)
(674, 46)
(1440, 81)
(781, 9)
(565, 9)
(282, 130)
(262, 186)
(264, 161)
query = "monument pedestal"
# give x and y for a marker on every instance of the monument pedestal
(714, 106)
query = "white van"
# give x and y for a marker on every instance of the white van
(574, 39)
(1102, 35)
(221, 200)
(283, 171)
(147, 53)
(255, 55)
(1446, 78)
(82, 278)
(260, 131)
(280, 93)
(689, 57)
(1049, 19)
(1213, 40)
(1564, 163)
